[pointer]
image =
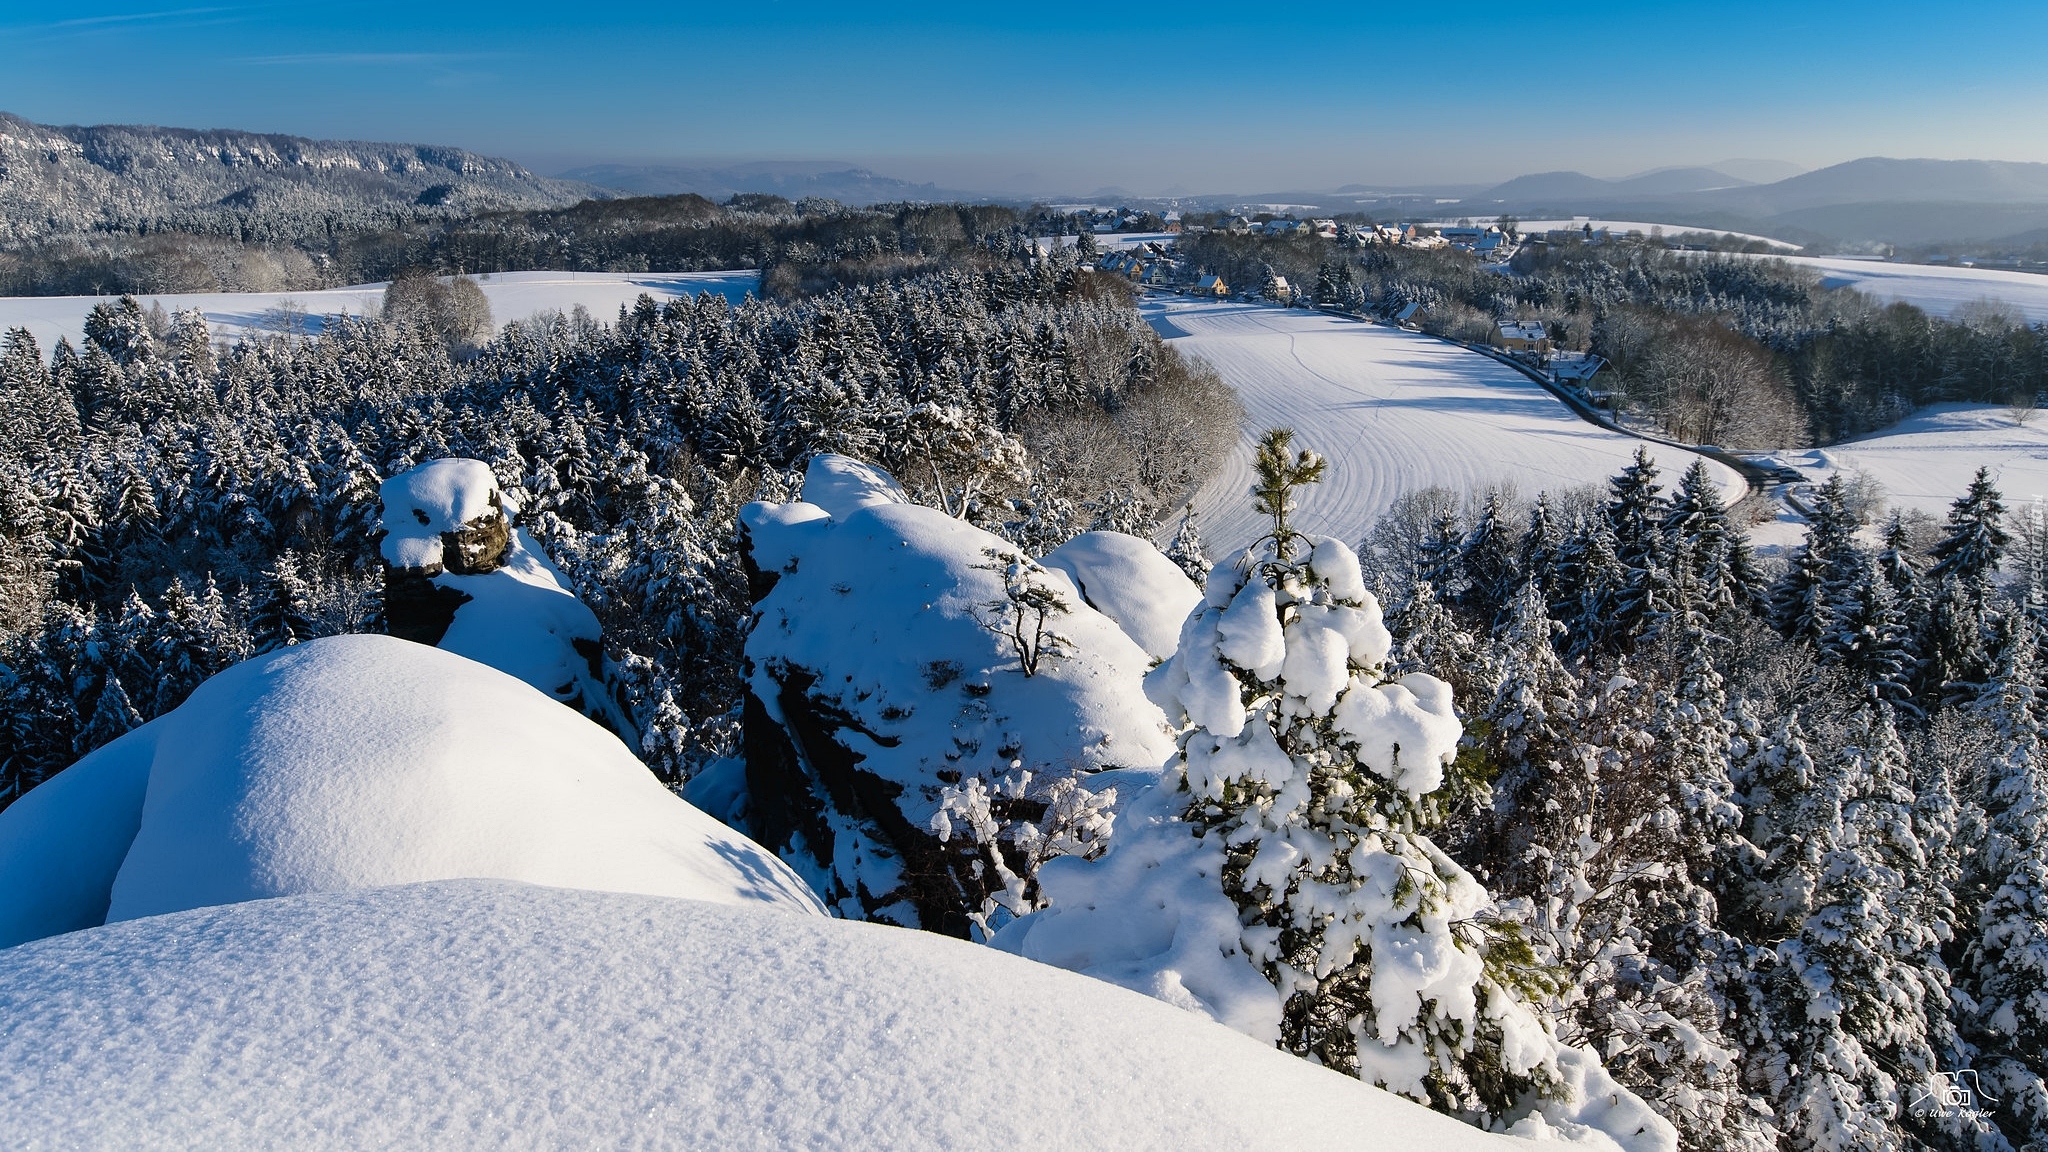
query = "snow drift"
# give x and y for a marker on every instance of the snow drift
(882, 675)
(1132, 583)
(492, 1014)
(351, 762)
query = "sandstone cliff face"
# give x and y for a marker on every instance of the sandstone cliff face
(876, 684)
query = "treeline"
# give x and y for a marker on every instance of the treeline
(168, 507)
(1777, 837)
(1737, 351)
(809, 246)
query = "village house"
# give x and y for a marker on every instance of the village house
(1279, 291)
(1211, 285)
(1525, 336)
(1412, 317)
(1473, 239)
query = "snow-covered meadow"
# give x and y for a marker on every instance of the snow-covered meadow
(1936, 289)
(1926, 460)
(1533, 227)
(1394, 411)
(513, 296)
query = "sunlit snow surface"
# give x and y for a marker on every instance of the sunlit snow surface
(352, 762)
(1926, 460)
(1937, 290)
(513, 296)
(1394, 411)
(490, 1014)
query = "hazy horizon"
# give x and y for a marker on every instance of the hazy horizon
(1208, 99)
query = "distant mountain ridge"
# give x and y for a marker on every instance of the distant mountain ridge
(1873, 199)
(831, 180)
(1662, 182)
(254, 186)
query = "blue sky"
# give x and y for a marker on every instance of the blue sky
(1058, 97)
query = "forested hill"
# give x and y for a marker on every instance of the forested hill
(56, 181)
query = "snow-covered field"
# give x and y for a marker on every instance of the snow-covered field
(1928, 459)
(1935, 289)
(513, 296)
(491, 1014)
(1627, 226)
(1113, 241)
(1394, 411)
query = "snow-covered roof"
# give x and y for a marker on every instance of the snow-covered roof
(500, 1015)
(1523, 330)
(350, 762)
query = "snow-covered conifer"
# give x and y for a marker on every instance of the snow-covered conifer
(1976, 538)
(1186, 550)
(1320, 776)
(2005, 966)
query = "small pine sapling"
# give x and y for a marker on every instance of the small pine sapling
(1027, 614)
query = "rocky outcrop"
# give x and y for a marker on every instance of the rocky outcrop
(459, 575)
(880, 678)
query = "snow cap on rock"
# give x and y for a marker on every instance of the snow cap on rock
(842, 485)
(440, 496)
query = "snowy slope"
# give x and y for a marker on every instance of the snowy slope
(513, 296)
(1624, 227)
(351, 762)
(1926, 460)
(1394, 411)
(487, 1014)
(1934, 289)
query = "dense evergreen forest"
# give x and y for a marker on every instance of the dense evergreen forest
(807, 246)
(173, 507)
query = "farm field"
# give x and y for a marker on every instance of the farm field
(1926, 460)
(513, 296)
(1936, 289)
(1394, 411)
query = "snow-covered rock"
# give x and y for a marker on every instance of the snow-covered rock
(881, 676)
(351, 762)
(501, 1015)
(460, 576)
(1132, 583)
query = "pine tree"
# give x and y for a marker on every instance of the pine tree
(2005, 966)
(1897, 562)
(1805, 599)
(1636, 510)
(1542, 548)
(279, 619)
(1186, 549)
(1320, 778)
(113, 716)
(1976, 538)
(1722, 559)
(1871, 640)
(1848, 990)
(1491, 566)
